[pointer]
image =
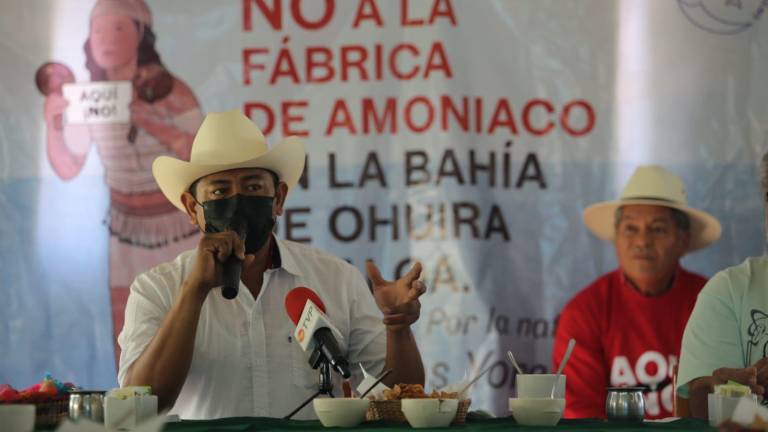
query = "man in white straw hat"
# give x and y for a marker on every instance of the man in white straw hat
(206, 356)
(726, 338)
(628, 324)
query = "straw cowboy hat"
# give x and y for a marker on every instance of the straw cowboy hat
(225, 141)
(653, 185)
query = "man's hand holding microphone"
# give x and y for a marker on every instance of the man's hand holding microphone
(213, 251)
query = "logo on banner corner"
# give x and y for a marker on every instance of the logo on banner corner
(724, 17)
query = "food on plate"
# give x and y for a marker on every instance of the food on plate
(415, 391)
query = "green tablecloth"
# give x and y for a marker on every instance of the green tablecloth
(267, 424)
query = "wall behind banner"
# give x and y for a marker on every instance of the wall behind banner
(469, 136)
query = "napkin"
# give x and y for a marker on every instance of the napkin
(368, 380)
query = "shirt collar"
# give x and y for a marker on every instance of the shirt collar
(629, 285)
(283, 258)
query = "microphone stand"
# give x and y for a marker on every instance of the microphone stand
(325, 385)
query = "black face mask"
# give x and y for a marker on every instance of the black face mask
(250, 216)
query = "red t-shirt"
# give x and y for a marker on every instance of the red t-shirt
(623, 338)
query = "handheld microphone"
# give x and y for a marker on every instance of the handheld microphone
(232, 268)
(313, 329)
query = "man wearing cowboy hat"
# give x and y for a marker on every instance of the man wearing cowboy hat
(206, 356)
(628, 324)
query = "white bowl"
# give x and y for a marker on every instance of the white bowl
(17, 417)
(539, 385)
(340, 412)
(537, 411)
(424, 413)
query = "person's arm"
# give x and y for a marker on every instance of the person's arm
(711, 351)
(64, 161)
(403, 358)
(761, 371)
(173, 120)
(586, 372)
(399, 301)
(165, 362)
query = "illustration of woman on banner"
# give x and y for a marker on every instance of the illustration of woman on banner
(164, 115)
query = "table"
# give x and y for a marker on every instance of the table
(234, 424)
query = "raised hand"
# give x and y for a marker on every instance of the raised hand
(399, 299)
(212, 251)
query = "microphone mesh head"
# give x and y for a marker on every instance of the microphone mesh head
(297, 298)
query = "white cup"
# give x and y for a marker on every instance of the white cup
(17, 418)
(721, 408)
(539, 386)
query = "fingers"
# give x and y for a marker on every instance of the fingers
(373, 273)
(417, 289)
(762, 376)
(414, 273)
(745, 376)
(762, 370)
(54, 104)
(706, 385)
(239, 246)
(222, 245)
(59, 102)
(411, 307)
(223, 252)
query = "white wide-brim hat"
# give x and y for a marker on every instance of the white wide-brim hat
(653, 185)
(225, 141)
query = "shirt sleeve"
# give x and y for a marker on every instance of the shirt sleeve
(368, 339)
(586, 372)
(144, 312)
(711, 338)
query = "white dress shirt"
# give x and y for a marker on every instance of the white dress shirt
(245, 360)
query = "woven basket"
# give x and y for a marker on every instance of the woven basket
(49, 413)
(390, 410)
(461, 412)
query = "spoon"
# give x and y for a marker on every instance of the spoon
(568, 351)
(384, 375)
(474, 380)
(514, 362)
